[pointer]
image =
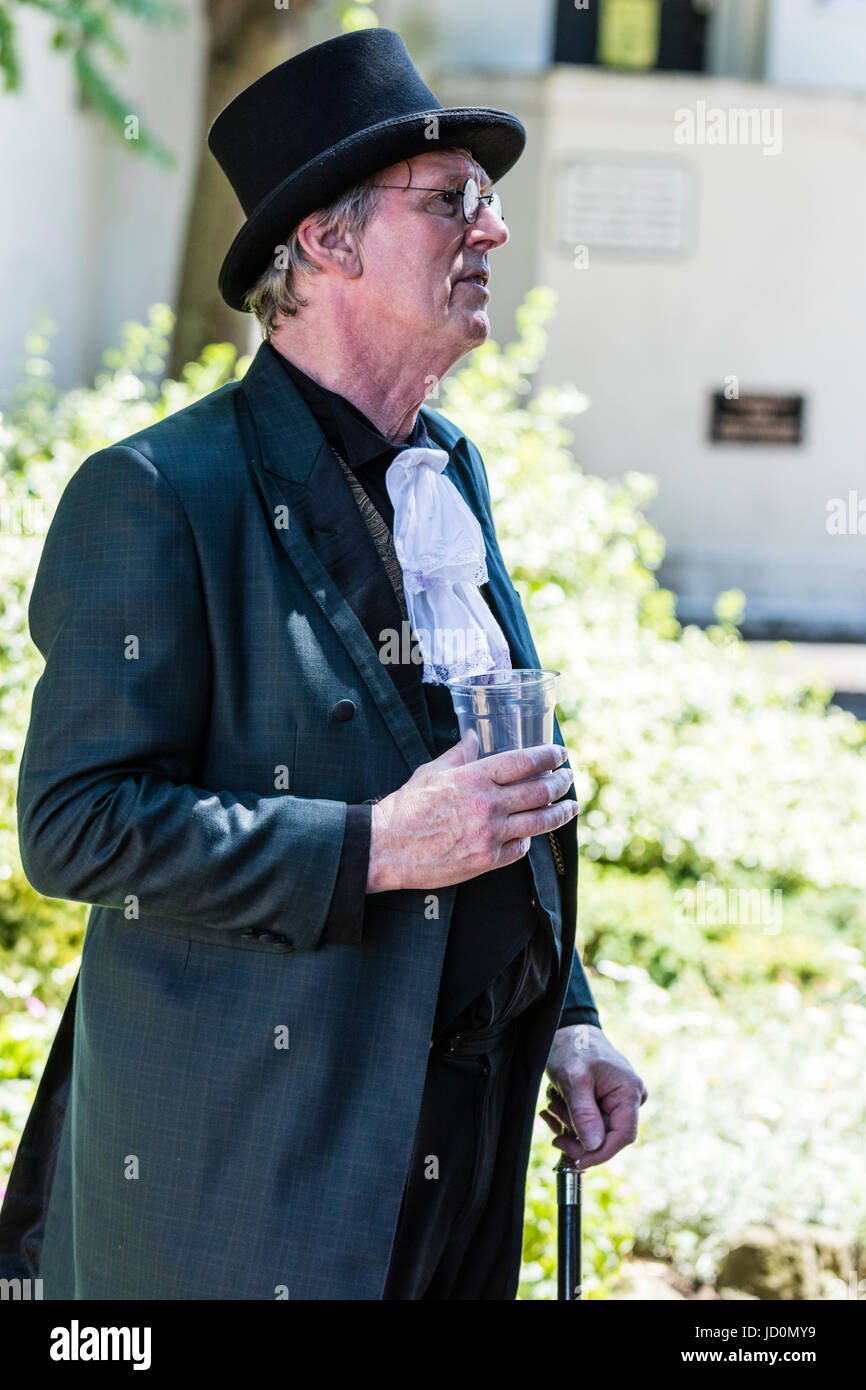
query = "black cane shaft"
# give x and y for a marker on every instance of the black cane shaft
(568, 1199)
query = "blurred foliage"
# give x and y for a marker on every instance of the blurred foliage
(700, 768)
(755, 1114)
(749, 1040)
(358, 15)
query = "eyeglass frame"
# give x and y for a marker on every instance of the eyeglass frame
(482, 197)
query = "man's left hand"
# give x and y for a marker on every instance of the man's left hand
(594, 1094)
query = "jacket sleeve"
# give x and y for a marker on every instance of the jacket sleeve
(345, 919)
(578, 1006)
(108, 808)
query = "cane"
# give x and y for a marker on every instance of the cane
(568, 1194)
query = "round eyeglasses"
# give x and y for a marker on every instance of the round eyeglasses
(470, 196)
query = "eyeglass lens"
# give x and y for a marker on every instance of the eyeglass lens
(472, 201)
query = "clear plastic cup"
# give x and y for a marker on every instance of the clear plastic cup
(504, 709)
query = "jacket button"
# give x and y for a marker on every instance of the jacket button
(343, 710)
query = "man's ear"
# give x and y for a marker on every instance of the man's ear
(334, 248)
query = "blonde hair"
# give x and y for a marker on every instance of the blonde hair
(274, 292)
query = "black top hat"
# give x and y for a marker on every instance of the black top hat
(319, 123)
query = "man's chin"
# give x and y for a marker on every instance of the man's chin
(476, 328)
(466, 333)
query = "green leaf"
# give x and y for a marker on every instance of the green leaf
(8, 53)
(96, 88)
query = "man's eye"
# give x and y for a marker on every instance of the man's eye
(450, 197)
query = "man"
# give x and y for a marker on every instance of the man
(329, 958)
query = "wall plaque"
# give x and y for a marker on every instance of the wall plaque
(757, 419)
(625, 205)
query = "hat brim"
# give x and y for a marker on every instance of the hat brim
(495, 138)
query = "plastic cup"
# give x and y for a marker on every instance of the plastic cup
(504, 709)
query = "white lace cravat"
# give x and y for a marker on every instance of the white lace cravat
(440, 547)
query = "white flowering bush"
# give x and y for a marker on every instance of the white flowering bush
(749, 1041)
(755, 1115)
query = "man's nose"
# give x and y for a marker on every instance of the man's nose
(487, 227)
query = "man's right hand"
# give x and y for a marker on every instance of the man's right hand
(454, 819)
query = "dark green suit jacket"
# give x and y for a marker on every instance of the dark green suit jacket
(230, 1104)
